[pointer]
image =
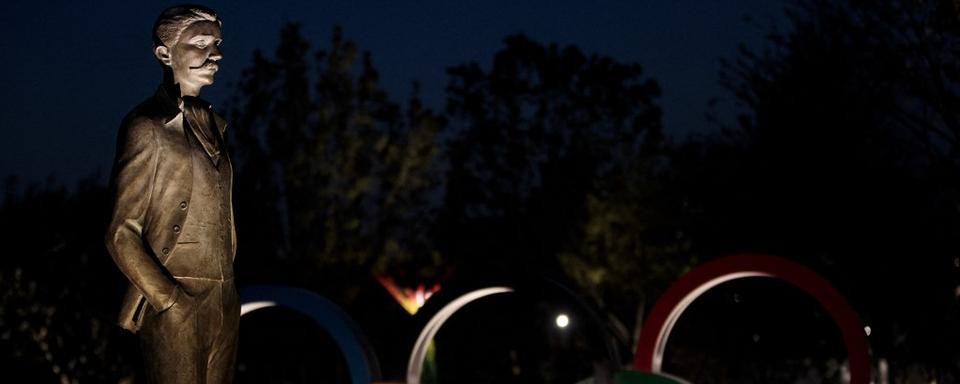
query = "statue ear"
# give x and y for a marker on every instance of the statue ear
(163, 54)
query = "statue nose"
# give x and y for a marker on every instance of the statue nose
(215, 53)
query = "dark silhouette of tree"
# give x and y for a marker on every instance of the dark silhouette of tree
(334, 176)
(556, 169)
(58, 288)
(335, 183)
(847, 161)
(845, 157)
(894, 62)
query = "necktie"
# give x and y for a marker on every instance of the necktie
(197, 114)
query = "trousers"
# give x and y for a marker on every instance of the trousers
(195, 340)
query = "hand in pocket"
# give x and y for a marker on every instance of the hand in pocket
(183, 307)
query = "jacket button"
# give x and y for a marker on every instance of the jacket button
(176, 229)
(165, 251)
(183, 205)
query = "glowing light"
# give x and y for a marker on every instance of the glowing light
(563, 320)
(883, 370)
(867, 330)
(410, 299)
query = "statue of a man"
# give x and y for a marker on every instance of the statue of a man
(172, 231)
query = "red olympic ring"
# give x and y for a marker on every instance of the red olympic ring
(656, 328)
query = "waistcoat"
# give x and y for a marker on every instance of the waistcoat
(204, 247)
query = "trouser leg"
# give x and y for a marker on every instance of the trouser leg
(223, 351)
(195, 341)
(169, 342)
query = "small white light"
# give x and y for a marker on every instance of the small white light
(562, 320)
(867, 330)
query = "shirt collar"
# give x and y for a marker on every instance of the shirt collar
(170, 106)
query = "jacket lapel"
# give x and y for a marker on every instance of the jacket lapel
(198, 117)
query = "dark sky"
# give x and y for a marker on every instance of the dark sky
(72, 69)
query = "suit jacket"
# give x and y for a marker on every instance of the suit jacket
(152, 181)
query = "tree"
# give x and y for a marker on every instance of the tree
(557, 169)
(59, 289)
(334, 177)
(849, 145)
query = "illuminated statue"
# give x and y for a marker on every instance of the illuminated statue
(172, 231)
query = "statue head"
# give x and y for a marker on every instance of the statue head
(186, 41)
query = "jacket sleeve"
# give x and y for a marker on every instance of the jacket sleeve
(134, 174)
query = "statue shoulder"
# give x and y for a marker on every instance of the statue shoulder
(146, 115)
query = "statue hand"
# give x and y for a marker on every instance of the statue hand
(183, 307)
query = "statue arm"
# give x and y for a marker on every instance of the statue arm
(134, 174)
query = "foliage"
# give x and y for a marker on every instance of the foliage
(58, 297)
(848, 162)
(334, 175)
(558, 168)
(552, 161)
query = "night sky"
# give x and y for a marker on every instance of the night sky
(72, 69)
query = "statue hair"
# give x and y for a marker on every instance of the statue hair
(172, 21)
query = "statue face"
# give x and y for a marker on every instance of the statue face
(195, 58)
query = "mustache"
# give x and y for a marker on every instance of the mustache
(209, 64)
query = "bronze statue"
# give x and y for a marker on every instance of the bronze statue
(172, 231)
